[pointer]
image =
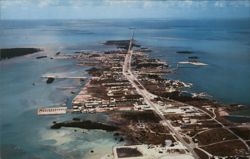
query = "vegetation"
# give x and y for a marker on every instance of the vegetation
(50, 80)
(201, 154)
(84, 125)
(13, 52)
(123, 44)
(140, 65)
(128, 152)
(214, 135)
(243, 132)
(96, 72)
(147, 116)
(227, 148)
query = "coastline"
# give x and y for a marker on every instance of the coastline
(98, 95)
(7, 53)
(19, 107)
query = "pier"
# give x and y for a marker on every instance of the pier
(52, 111)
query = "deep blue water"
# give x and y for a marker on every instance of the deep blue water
(223, 44)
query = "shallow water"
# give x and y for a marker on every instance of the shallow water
(26, 135)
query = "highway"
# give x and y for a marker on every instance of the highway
(148, 99)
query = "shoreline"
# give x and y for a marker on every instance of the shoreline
(7, 53)
(118, 92)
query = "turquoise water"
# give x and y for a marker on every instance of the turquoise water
(26, 135)
(223, 44)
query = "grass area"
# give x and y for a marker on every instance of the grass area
(227, 148)
(243, 132)
(214, 135)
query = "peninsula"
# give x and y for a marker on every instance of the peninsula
(150, 111)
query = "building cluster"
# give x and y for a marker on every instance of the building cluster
(108, 89)
(188, 119)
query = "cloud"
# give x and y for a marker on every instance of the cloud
(6, 3)
(123, 8)
(45, 3)
(143, 3)
(219, 4)
(245, 3)
(188, 2)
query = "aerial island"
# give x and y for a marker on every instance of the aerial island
(7, 53)
(149, 112)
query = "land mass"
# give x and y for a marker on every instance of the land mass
(14, 52)
(150, 109)
(84, 125)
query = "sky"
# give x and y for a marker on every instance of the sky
(123, 9)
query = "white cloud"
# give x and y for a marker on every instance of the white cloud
(7, 3)
(112, 2)
(188, 2)
(45, 3)
(148, 4)
(240, 3)
(127, 3)
(219, 4)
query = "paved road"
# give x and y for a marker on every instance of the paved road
(225, 127)
(147, 99)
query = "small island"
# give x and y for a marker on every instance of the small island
(8, 53)
(184, 52)
(84, 125)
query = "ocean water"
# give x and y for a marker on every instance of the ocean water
(223, 44)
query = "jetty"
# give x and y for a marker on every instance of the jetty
(51, 110)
